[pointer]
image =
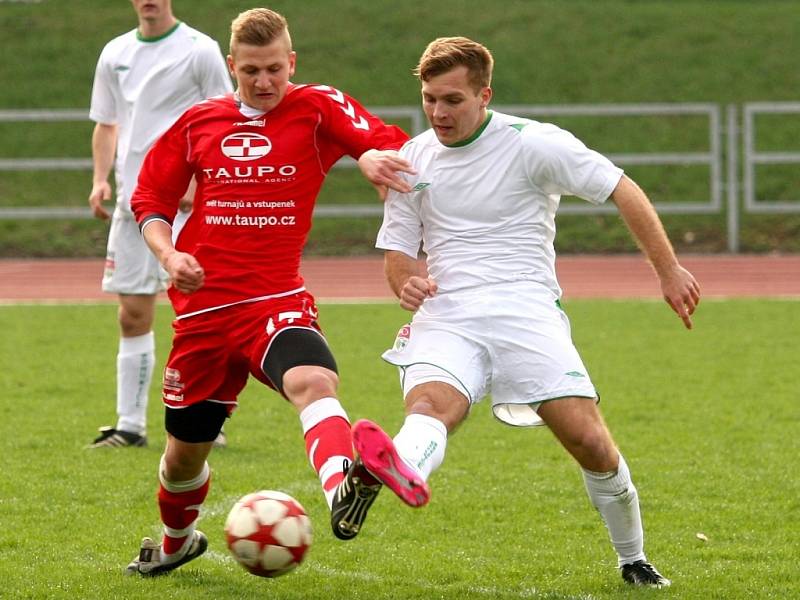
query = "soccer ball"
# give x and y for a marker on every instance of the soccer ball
(268, 533)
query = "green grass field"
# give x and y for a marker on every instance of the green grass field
(707, 419)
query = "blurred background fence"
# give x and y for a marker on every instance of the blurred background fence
(735, 178)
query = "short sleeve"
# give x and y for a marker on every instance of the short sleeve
(103, 107)
(559, 163)
(212, 72)
(401, 229)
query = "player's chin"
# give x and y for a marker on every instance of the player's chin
(445, 135)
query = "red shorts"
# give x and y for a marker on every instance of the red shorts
(213, 353)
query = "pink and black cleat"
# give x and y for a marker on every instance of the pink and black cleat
(378, 454)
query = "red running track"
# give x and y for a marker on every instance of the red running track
(627, 276)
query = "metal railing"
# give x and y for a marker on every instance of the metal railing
(712, 158)
(723, 174)
(752, 158)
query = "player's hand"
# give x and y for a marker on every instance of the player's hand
(101, 192)
(382, 169)
(186, 273)
(415, 291)
(682, 292)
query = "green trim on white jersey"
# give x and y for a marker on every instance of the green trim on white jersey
(475, 135)
(158, 38)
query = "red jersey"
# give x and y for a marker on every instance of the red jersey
(258, 180)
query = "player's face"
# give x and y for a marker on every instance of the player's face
(262, 73)
(453, 106)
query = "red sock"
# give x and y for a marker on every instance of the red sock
(328, 444)
(179, 511)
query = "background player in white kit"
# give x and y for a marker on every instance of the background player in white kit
(487, 312)
(144, 81)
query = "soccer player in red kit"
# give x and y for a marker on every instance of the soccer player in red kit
(260, 156)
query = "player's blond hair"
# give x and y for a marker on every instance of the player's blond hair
(259, 27)
(446, 53)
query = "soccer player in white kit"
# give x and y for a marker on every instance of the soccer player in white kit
(144, 80)
(487, 316)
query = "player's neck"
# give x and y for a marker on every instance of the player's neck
(154, 28)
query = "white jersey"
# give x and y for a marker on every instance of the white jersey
(484, 209)
(144, 84)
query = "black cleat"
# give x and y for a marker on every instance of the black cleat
(148, 563)
(643, 574)
(354, 495)
(115, 438)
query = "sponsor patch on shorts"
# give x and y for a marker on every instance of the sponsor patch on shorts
(403, 337)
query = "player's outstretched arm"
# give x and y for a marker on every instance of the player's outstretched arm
(382, 169)
(679, 287)
(186, 273)
(407, 281)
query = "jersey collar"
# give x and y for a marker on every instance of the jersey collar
(158, 38)
(475, 135)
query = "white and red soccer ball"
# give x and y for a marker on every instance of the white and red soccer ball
(268, 533)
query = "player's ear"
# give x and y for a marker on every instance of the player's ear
(486, 96)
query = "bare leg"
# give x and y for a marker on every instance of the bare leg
(580, 428)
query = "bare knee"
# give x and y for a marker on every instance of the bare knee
(579, 426)
(305, 384)
(593, 448)
(440, 401)
(184, 461)
(136, 315)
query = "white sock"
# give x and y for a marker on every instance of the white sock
(615, 497)
(421, 443)
(316, 412)
(135, 362)
(329, 443)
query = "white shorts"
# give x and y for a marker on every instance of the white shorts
(130, 266)
(512, 341)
